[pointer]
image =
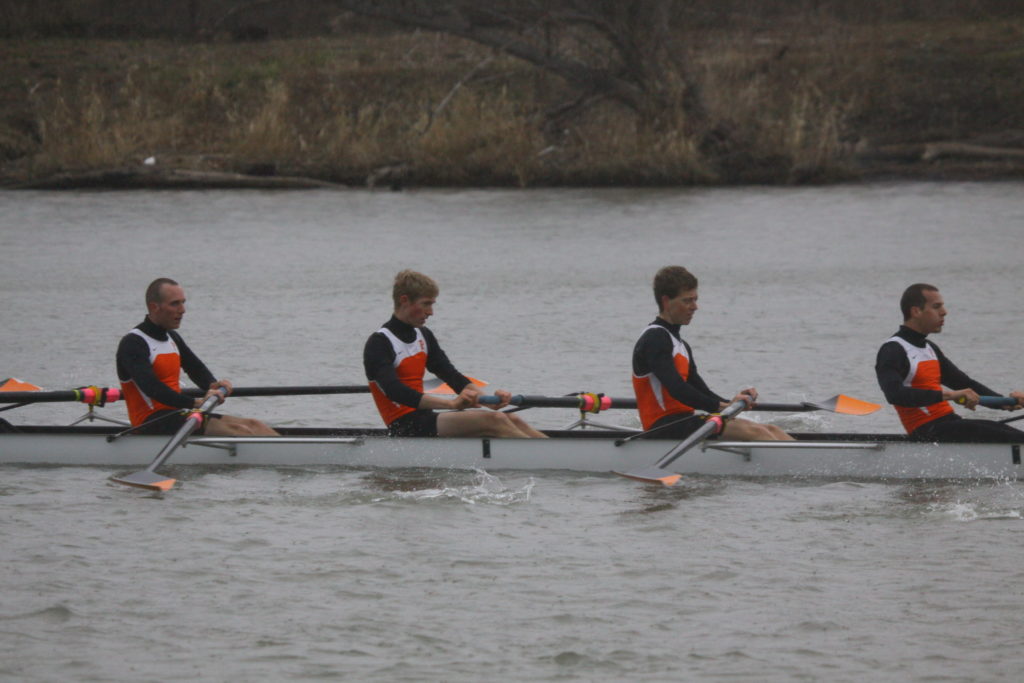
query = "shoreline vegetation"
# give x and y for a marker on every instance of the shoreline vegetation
(802, 98)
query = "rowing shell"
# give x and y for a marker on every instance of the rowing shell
(863, 456)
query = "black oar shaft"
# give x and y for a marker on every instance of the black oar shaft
(94, 395)
(785, 407)
(609, 402)
(315, 390)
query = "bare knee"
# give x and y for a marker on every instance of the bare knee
(772, 433)
(239, 426)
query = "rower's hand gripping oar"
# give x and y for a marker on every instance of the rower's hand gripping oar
(657, 474)
(148, 478)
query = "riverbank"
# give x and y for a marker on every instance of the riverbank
(819, 103)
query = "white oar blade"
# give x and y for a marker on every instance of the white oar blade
(652, 475)
(144, 479)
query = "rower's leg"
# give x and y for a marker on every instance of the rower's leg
(738, 429)
(521, 424)
(229, 425)
(478, 423)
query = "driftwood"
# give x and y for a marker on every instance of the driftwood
(939, 150)
(170, 179)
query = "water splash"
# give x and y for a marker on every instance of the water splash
(484, 488)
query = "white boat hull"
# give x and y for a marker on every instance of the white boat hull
(867, 457)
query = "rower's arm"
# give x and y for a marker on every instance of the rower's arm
(698, 382)
(654, 354)
(193, 367)
(891, 366)
(379, 364)
(439, 365)
(133, 364)
(955, 378)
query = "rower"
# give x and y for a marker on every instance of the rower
(395, 359)
(150, 359)
(912, 371)
(665, 379)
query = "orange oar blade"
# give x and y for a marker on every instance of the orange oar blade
(144, 479)
(849, 405)
(653, 475)
(15, 384)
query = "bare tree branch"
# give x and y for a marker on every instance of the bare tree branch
(630, 58)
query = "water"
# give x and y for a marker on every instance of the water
(321, 573)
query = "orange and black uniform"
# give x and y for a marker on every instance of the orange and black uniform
(911, 372)
(395, 359)
(149, 364)
(667, 385)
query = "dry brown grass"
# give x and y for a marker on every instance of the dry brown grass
(455, 114)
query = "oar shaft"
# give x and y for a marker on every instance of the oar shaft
(585, 402)
(657, 473)
(588, 402)
(192, 422)
(94, 395)
(713, 425)
(148, 478)
(314, 390)
(785, 407)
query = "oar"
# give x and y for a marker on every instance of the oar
(290, 391)
(148, 478)
(15, 384)
(840, 403)
(992, 401)
(656, 473)
(590, 403)
(91, 395)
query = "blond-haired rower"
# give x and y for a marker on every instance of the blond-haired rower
(396, 358)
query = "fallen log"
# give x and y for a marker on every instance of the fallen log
(940, 150)
(171, 179)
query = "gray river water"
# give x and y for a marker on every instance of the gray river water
(301, 574)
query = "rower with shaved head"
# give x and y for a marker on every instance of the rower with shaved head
(920, 381)
(150, 359)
